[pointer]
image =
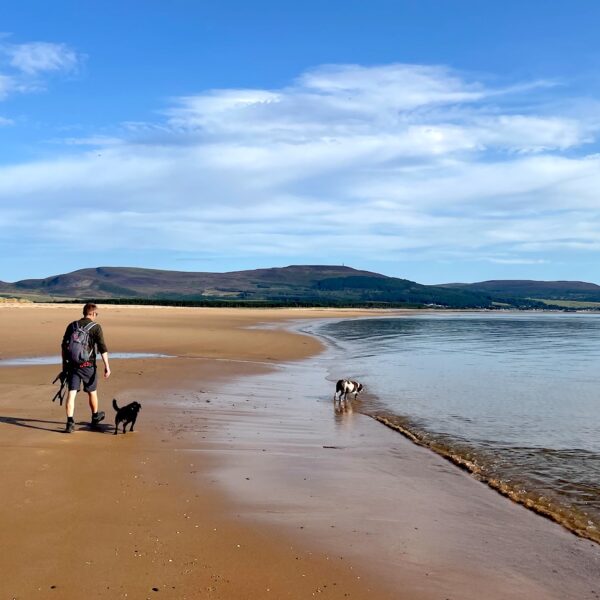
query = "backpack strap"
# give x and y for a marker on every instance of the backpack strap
(91, 343)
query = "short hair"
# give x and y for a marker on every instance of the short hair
(89, 308)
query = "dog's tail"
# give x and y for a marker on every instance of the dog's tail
(115, 405)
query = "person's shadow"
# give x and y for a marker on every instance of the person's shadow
(36, 424)
(33, 423)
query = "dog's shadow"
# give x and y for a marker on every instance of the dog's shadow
(31, 424)
(100, 428)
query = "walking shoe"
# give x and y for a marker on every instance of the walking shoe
(70, 427)
(96, 418)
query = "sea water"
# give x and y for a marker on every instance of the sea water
(55, 359)
(514, 398)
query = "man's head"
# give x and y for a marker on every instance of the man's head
(90, 310)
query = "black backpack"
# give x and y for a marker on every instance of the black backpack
(78, 349)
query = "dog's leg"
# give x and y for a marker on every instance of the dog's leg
(124, 426)
(116, 427)
(132, 424)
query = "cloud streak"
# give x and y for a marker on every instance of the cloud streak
(41, 57)
(26, 67)
(388, 163)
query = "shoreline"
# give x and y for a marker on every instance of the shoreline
(131, 515)
(192, 447)
(575, 521)
(578, 529)
(400, 509)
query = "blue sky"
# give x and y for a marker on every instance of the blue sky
(433, 140)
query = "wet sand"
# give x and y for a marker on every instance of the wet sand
(364, 492)
(241, 483)
(92, 515)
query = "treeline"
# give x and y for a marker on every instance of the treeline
(241, 303)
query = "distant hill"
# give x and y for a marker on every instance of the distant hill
(316, 284)
(578, 291)
(300, 284)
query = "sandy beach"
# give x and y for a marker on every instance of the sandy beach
(241, 482)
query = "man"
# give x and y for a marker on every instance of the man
(80, 343)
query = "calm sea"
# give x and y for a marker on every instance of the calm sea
(515, 398)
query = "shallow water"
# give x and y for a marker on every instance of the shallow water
(56, 359)
(360, 493)
(514, 398)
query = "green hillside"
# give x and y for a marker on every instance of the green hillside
(319, 285)
(543, 291)
(310, 284)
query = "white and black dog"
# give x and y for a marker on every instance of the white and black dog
(344, 387)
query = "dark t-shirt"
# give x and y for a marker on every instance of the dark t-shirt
(96, 338)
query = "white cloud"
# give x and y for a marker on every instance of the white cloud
(95, 141)
(518, 261)
(7, 84)
(26, 67)
(404, 86)
(361, 162)
(38, 57)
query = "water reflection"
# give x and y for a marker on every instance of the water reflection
(517, 395)
(56, 359)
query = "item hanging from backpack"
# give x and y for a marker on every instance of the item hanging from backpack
(78, 349)
(60, 395)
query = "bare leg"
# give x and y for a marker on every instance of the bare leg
(93, 400)
(71, 402)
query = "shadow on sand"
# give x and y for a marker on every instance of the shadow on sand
(60, 425)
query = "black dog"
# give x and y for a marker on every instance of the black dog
(126, 414)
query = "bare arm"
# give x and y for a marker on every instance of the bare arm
(104, 356)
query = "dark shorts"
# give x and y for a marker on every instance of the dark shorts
(86, 375)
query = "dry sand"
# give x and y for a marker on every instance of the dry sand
(164, 512)
(89, 515)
